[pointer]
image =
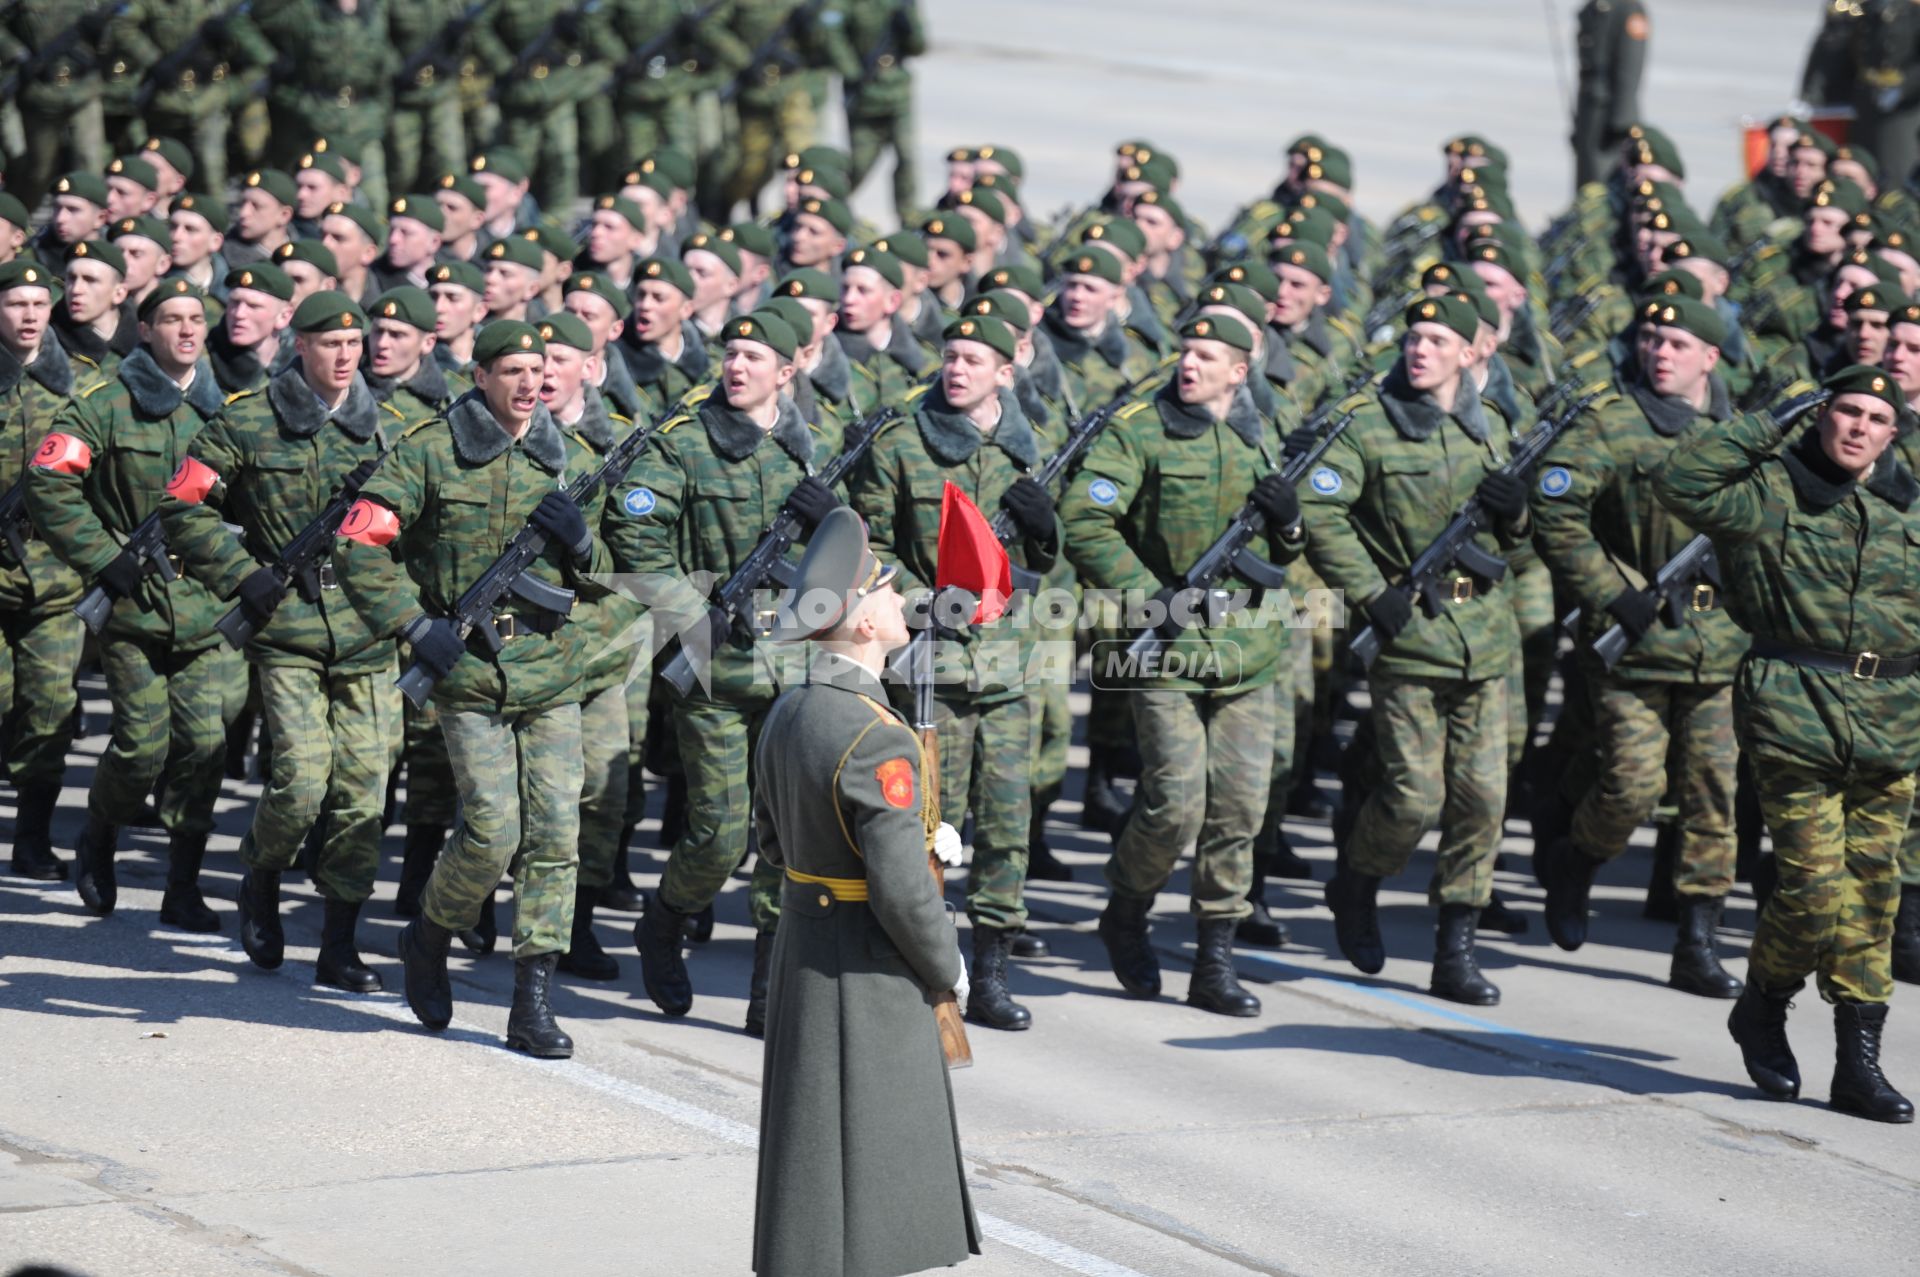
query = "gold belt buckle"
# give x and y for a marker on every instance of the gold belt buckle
(1462, 589)
(173, 561)
(1866, 665)
(507, 625)
(1702, 600)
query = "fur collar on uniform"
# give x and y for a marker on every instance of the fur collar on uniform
(478, 437)
(429, 383)
(157, 395)
(1416, 416)
(833, 376)
(1031, 401)
(951, 437)
(1500, 389)
(735, 435)
(1048, 380)
(1279, 366)
(617, 387)
(50, 367)
(1823, 485)
(301, 413)
(237, 367)
(1142, 320)
(1073, 345)
(649, 366)
(1313, 335)
(595, 426)
(1190, 421)
(931, 321)
(1669, 415)
(901, 347)
(83, 341)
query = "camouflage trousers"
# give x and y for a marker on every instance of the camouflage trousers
(423, 142)
(1292, 702)
(549, 136)
(869, 137)
(762, 130)
(984, 751)
(1910, 852)
(638, 694)
(519, 780)
(1531, 593)
(168, 728)
(1439, 754)
(1836, 842)
(1052, 717)
(716, 741)
(1648, 732)
(39, 655)
(1205, 762)
(431, 796)
(605, 751)
(335, 737)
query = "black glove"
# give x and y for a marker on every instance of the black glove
(119, 578)
(1300, 442)
(812, 500)
(949, 612)
(259, 594)
(439, 646)
(1788, 411)
(1390, 612)
(1275, 498)
(1636, 611)
(1186, 607)
(1504, 494)
(1031, 507)
(561, 520)
(358, 476)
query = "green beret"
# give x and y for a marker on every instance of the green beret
(1467, 284)
(1492, 248)
(1133, 146)
(501, 161)
(1254, 274)
(1314, 225)
(311, 251)
(1883, 270)
(272, 182)
(348, 151)
(1006, 187)
(1907, 314)
(563, 329)
(950, 226)
(361, 216)
(521, 252)
(1876, 297)
(462, 274)
(465, 187)
(885, 264)
(135, 170)
(674, 163)
(1838, 192)
(831, 180)
(411, 306)
(1689, 315)
(423, 209)
(165, 291)
(173, 152)
(85, 186)
(625, 207)
(816, 285)
(1860, 155)
(1649, 145)
(1005, 156)
(1020, 276)
(726, 250)
(993, 332)
(1472, 147)
(1675, 283)
(601, 285)
(1161, 200)
(798, 317)
(1703, 244)
(907, 246)
(328, 311)
(1449, 311)
(765, 327)
(98, 250)
(1091, 262)
(1120, 233)
(1157, 170)
(833, 212)
(984, 198)
(1445, 274)
(1487, 199)
(1219, 328)
(668, 270)
(1680, 220)
(507, 337)
(752, 237)
(1327, 202)
(1006, 307)
(1307, 256)
(1812, 139)
(551, 239)
(146, 226)
(1865, 379)
(329, 162)
(13, 212)
(1239, 297)
(261, 277)
(24, 272)
(1331, 165)
(821, 156)
(651, 178)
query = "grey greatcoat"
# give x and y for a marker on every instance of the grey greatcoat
(860, 1166)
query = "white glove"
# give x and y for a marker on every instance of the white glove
(947, 845)
(962, 986)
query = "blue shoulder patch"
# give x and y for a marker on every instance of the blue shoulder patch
(1103, 491)
(1325, 481)
(639, 501)
(1556, 481)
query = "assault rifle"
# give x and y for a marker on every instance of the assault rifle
(146, 549)
(435, 52)
(774, 50)
(15, 523)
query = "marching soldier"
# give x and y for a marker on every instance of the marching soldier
(401, 369)
(425, 132)
(337, 86)
(1613, 52)
(56, 46)
(883, 34)
(96, 326)
(245, 348)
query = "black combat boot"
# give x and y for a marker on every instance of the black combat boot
(1567, 874)
(484, 934)
(1758, 1023)
(183, 906)
(1859, 1087)
(530, 1025)
(260, 932)
(621, 895)
(1354, 897)
(662, 970)
(1906, 937)
(33, 835)
(1502, 917)
(423, 953)
(1027, 946)
(1042, 864)
(1260, 928)
(93, 866)
(340, 966)
(1214, 987)
(1663, 903)
(1101, 806)
(1696, 967)
(756, 1025)
(416, 866)
(1284, 862)
(988, 1001)
(700, 925)
(1456, 976)
(1123, 929)
(584, 956)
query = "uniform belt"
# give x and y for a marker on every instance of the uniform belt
(1857, 665)
(842, 889)
(1462, 589)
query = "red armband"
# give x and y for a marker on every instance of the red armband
(370, 523)
(192, 481)
(63, 454)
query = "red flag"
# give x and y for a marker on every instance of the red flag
(972, 557)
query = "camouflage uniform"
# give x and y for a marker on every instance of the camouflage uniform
(59, 97)
(884, 33)
(425, 133)
(335, 86)
(898, 367)
(1096, 370)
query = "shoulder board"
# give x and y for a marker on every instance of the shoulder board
(1585, 357)
(678, 419)
(617, 419)
(1762, 254)
(385, 407)
(892, 422)
(698, 395)
(915, 395)
(1133, 409)
(863, 372)
(95, 388)
(418, 426)
(237, 396)
(1353, 403)
(1345, 329)
(882, 713)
